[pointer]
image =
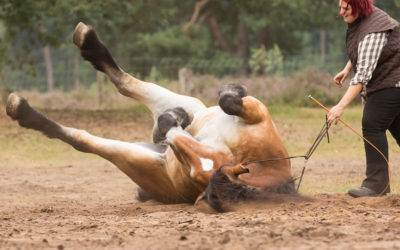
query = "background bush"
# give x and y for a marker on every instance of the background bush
(271, 90)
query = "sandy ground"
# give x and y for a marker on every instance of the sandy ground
(88, 204)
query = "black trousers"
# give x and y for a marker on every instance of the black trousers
(381, 113)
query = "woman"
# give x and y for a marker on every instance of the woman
(373, 47)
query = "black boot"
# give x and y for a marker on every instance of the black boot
(363, 192)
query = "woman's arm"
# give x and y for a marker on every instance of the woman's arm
(336, 112)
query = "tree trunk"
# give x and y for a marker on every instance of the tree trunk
(196, 12)
(243, 46)
(262, 38)
(75, 68)
(100, 83)
(322, 43)
(49, 68)
(216, 33)
(186, 86)
(48, 62)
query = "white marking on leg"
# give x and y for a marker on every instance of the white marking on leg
(192, 172)
(207, 164)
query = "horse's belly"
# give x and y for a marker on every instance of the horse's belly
(220, 131)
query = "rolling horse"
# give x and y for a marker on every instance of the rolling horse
(197, 151)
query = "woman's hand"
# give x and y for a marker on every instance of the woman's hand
(334, 114)
(340, 78)
(342, 75)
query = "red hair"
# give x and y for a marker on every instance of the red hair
(362, 7)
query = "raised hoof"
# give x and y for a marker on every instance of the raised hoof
(174, 117)
(230, 98)
(79, 34)
(92, 49)
(233, 89)
(20, 110)
(13, 103)
(231, 104)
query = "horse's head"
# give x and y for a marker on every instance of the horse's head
(225, 188)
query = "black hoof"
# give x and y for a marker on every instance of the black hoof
(233, 88)
(231, 104)
(230, 98)
(94, 51)
(171, 118)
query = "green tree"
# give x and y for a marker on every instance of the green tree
(170, 34)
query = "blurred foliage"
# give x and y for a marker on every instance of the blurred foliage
(275, 61)
(263, 62)
(258, 60)
(154, 75)
(310, 82)
(4, 92)
(147, 34)
(291, 91)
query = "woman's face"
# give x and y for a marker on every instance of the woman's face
(346, 12)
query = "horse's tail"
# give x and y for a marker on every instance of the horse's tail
(222, 191)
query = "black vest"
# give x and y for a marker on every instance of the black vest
(387, 71)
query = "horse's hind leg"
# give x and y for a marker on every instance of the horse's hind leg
(144, 165)
(157, 98)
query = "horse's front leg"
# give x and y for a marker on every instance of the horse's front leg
(233, 100)
(144, 165)
(202, 160)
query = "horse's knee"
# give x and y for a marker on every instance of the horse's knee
(230, 98)
(171, 118)
(79, 139)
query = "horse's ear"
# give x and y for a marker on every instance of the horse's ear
(200, 197)
(234, 171)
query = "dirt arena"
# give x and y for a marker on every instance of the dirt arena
(84, 202)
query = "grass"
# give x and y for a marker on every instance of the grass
(338, 184)
(19, 147)
(300, 126)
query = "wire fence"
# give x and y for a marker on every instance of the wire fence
(65, 73)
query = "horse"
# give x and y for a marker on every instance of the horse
(197, 151)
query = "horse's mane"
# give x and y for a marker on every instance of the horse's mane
(221, 191)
